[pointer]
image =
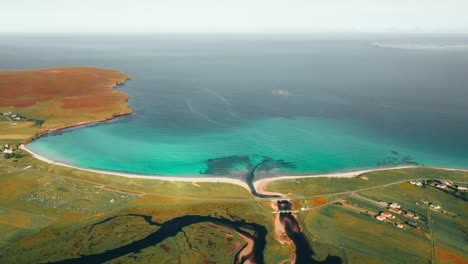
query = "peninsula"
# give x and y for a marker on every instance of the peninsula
(35, 102)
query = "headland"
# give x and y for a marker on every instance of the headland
(36, 102)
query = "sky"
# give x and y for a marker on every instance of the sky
(234, 16)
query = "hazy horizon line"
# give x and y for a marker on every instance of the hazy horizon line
(233, 33)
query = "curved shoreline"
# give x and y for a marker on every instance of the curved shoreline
(139, 176)
(84, 123)
(84, 83)
(259, 184)
(48, 131)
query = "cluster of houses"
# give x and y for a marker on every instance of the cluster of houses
(12, 117)
(396, 208)
(382, 216)
(417, 183)
(451, 185)
(6, 150)
(441, 185)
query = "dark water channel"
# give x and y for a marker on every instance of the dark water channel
(304, 251)
(171, 228)
(303, 254)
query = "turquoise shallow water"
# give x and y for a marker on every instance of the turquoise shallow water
(204, 104)
(313, 145)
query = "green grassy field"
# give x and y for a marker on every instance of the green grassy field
(46, 207)
(323, 185)
(363, 239)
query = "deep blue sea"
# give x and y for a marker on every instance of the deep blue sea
(205, 104)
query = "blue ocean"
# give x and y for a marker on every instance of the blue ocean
(218, 104)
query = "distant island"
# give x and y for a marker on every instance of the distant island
(280, 92)
(420, 46)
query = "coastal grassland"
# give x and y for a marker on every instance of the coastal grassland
(330, 185)
(140, 186)
(353, 231)
(219, 243)
(360, 238)
(448, 226)
(51, 213)
(49, 99)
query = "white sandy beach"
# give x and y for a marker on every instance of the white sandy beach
(348, 174)
(150, 177)
(259, 184)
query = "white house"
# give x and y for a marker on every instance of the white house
(381, 217)
(8, 151)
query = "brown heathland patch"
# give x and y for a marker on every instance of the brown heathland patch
(54, 95)
(318, 201)
(447, 256)
(20, 222)
(25, 88)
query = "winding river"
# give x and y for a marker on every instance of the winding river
(254, 254)
(171, 228)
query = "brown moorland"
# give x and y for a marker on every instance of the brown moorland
(60, 97)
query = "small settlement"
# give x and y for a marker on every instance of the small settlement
(9, 151)
(389, 215)
(14, 118)
(443, 185)
(6, 149)
(385, 216)
(395, 214)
